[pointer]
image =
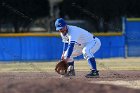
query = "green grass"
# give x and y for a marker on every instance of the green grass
(80, 65)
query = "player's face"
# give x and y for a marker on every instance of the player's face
(63, 30)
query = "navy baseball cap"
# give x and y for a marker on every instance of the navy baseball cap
(60, 23)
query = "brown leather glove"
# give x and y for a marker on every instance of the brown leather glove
(61, 67)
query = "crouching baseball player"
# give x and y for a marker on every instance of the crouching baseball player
(78, 41)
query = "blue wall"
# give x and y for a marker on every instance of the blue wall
(43, 48)
(132, 29)
(112, 46)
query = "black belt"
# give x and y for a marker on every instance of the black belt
(94, 37)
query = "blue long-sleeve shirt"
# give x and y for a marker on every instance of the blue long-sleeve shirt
(65, 46)
(69, 47)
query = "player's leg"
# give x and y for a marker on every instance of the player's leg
(71, 70)
(93, 48)
(76, 52)
(88, 53)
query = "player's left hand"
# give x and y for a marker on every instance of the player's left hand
(61, 67)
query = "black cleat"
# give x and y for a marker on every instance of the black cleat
(93, 74)
(70, 71)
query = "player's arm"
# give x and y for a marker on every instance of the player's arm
(72, 38)
(65, 46)
(70, 48)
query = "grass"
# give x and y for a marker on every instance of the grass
(80, 65)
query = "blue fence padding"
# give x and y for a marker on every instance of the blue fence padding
(43, 48)
(9, 48)
(113, 48)
(132, 30)
(30, 48)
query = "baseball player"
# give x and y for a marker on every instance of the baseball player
(78, 41)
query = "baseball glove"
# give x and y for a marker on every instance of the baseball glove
(61, 67)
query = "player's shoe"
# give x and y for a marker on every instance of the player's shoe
(93, 74)
(70, 71)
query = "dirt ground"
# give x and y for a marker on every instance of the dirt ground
(50, 82)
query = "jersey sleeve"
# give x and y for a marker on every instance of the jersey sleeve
(65, 46)
(70, 48)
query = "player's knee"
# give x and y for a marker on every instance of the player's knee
(86, 54)
(84, 51)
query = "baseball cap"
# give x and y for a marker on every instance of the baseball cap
(60, 23)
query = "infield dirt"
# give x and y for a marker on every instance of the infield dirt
(50, 82)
